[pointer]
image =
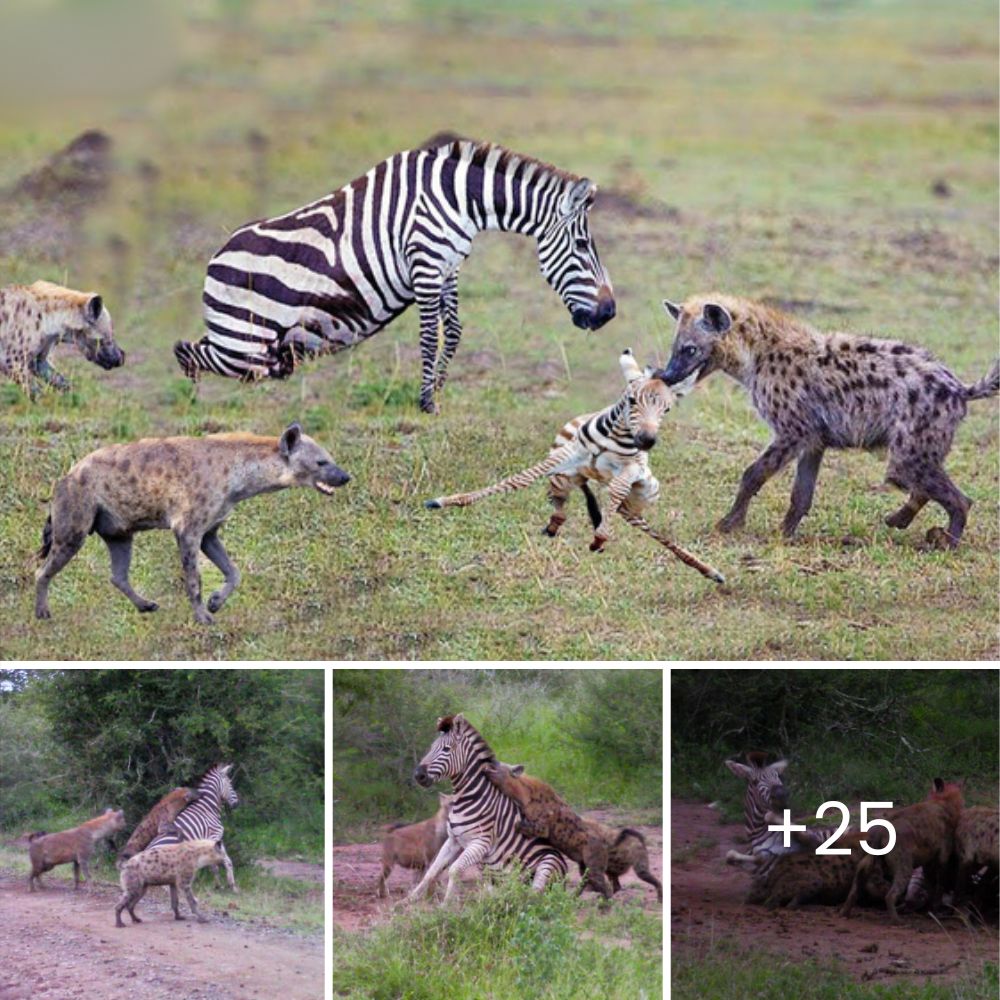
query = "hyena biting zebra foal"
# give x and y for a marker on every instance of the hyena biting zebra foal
(189, 485)
(831, 390)
(610, 447)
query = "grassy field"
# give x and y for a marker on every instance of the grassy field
(782, 150)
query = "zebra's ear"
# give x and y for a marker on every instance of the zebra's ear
(740, 770)
(779, 765)
(629, 366)
(578, 197)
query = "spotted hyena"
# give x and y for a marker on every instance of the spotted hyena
(925, 836)
(167, 864)
(415, 845)
(626, 849)
(797, 878)
(164, 812)
(831, 390)
(46, 850)
(546, 815)
(34, 318)
(976, 848)
(186, 484)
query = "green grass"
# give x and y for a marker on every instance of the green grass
(264, 899)
(798, 142)
(730, 974)
(511, 942)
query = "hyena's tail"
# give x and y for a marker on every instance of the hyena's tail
(987, 386)
(518, 481)
(685, 557)
(46, 548)
(628, 832)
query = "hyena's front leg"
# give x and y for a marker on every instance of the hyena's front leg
(772, 460)
(189, 544)
(120, 550)
(49, 375)
(212, 546)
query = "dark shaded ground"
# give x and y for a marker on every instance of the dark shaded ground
(707, 908)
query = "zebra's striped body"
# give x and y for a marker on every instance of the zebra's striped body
(202, 819)
(610, 447)
(482, 821)
(332, 273)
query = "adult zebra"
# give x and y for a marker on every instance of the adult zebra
(482, 821)
(202, 819)
(332, 273)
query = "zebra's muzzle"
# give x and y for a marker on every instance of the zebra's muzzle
(422, 778)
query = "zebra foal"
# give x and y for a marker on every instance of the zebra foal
(332, 273)
(611, 447)
(202, 819)
(482, 821)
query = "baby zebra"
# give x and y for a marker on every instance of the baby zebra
(187, 484)
(611, 447)
(831, 390)
(168, 864)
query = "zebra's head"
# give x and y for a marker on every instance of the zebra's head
(647, 399)
(568, 257)
(227, 793)
(765, 789)
(449, 754)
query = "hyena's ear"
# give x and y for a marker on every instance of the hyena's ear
(715, 318)
(93, 308)
(673, 310)
(517, 770)
(290, 440)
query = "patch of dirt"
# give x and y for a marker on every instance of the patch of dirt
(60, 944)
(357, 867)
(706, 907)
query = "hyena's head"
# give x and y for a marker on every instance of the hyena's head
(508, 778)
(88, 325)
(701, 326)
(568, 257)
(648, 399)
(308, 464)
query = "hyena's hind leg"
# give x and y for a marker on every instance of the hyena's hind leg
(65, 531)
(928, 481)
(120, 550)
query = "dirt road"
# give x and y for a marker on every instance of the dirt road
(357, 867)
(58, 944)
(706, 907)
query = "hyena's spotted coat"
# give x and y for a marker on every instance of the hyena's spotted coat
(160, 816)
(167, 864)
(831, 390)
(186, 484)
(34, 318)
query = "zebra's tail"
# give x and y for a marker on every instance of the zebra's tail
(518, 481)
(628, 832)
(188, 357)
(204, 356)
(685, 557)
(987, 386)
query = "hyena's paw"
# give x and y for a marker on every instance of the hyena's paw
(146, 606)
(202, 617)
(938, 538)
(43, 614)
(729, 524)
(216, 601)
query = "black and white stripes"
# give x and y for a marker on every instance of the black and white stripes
(332, 273)
(482, 821)
(202, 819)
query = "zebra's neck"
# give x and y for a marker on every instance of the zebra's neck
(209, 794)
(612, 423)
(500, 190)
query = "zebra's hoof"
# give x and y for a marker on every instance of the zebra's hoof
(433, 504)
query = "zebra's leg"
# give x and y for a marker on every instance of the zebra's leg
(229, 868)
(560, 487)
(429, 304)
(450, 850)
(472, 855)
(618, 492)
(452, 329)
(544, 872)
(212, 546)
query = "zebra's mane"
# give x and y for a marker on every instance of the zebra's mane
(214, 767)
(451, 145)
(446, 722)
(756, 757)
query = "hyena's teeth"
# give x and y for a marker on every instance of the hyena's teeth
(324, 488)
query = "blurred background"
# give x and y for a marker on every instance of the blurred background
(837, 159)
